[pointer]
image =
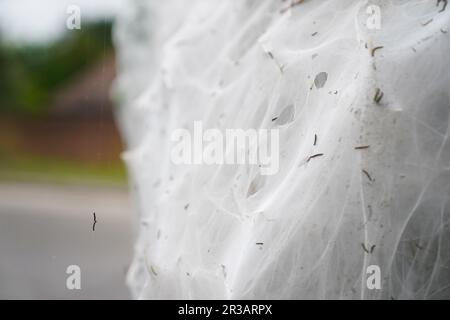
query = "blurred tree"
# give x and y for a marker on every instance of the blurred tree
(29, 74)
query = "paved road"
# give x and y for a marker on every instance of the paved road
(46, 228)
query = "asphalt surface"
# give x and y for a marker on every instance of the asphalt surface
(46, 228)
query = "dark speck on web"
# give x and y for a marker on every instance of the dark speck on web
(95, 222)
(314, 156)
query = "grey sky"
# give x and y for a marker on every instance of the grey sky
(42, 20)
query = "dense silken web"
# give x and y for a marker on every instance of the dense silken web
(377, 103)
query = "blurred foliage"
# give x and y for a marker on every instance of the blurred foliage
(29, 74)
(15, 167)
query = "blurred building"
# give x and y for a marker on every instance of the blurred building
(80, 124)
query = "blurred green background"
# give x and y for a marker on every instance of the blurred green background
(60, 153)
(56, 116)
